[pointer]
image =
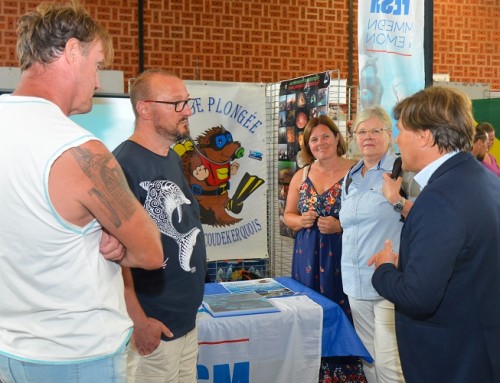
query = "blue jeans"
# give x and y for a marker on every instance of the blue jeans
(106, 370)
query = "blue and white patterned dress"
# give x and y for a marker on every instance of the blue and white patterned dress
(316, 256)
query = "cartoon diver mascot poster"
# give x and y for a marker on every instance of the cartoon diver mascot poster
(224, 162)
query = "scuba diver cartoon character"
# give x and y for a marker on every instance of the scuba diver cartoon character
(208, 165)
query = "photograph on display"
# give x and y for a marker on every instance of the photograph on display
(300, 100)
(282, 118)
(290, 101)
(290, 117)
(282, 135)
(237, 270)
(283, 151)
(300, 143)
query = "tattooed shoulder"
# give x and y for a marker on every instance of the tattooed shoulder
(109, 188)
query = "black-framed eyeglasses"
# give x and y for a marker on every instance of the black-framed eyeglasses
(178, 105)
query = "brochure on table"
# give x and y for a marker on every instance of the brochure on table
(266, 287)
(223, 305)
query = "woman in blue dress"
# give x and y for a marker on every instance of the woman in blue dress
(312, 208)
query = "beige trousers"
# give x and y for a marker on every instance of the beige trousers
(172, 362)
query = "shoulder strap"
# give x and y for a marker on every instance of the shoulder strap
(305, 172)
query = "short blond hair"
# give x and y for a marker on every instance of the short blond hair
(43, 33)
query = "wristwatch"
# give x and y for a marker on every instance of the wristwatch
(398, 206)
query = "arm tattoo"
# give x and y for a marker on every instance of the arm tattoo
(110, 189)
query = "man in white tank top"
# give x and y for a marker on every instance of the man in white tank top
(62, 306)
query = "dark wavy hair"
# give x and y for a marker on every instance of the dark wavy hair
(481, 133)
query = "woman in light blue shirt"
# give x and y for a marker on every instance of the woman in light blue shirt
(368, 218)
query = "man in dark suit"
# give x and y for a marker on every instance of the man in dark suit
(445, 283)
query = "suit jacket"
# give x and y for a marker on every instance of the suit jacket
(446, 289)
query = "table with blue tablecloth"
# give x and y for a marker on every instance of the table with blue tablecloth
(275, 347)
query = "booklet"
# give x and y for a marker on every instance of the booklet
(267, 287)
(223, 305)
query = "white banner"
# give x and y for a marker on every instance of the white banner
(274, 347)
(391, 51)
(226, 167)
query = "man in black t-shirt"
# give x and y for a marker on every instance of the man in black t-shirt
(163, 303)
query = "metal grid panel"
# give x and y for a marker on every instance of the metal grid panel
(280, 248)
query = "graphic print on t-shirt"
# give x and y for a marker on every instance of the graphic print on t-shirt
(164, 197)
